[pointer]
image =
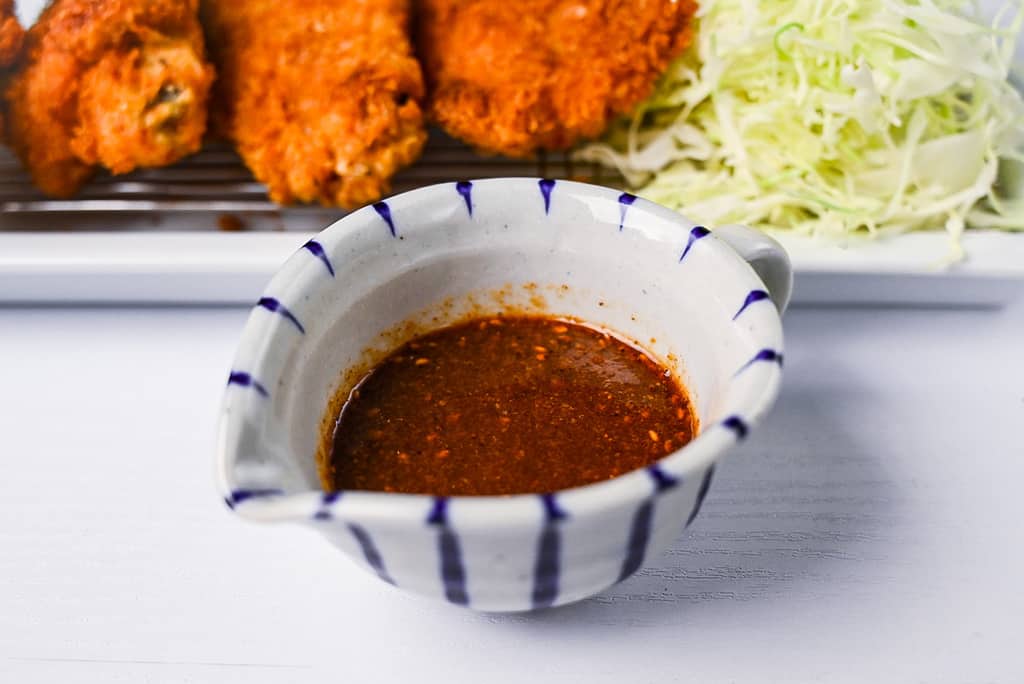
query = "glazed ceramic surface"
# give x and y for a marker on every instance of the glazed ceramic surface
(439, 254)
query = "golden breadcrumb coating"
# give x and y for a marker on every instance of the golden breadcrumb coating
(11, 37)
(322, 98)
(516, 77)
(11, 33)
(115, 83)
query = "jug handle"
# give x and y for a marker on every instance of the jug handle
(766, 256)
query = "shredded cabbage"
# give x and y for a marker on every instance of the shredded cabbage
(834, 118)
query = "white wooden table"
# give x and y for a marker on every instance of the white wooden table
(871, 531)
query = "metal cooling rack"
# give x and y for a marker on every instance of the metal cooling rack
(215, 181)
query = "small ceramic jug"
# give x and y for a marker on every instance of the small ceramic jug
(705, 302)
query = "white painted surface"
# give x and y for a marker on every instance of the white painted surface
(869, 531)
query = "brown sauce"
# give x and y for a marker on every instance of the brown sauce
(507, 405)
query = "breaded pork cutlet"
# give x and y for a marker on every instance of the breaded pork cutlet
(114, 83)
(11, 33)
(517, 77)
(321, 98)
(11, 36)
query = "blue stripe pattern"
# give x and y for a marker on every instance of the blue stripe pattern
(243, 379)
(369, 549)
(639, 535)
(736, 424)
(324, 512)
(549, 552)
(465, 188)
(453, 574)
(271, 304)
(696, 233)
(701, 493)
(752, 298)
(317, 250)
(662, 480)
(546, 186)
(765, 355)
(625, 201)
(370, 552)
(237, 496)
(640, 531)
(384, 211)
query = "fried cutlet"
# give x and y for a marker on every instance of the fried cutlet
(114, 83)
(11, 36)
(322, 98)
(517, 77)
(11, 33)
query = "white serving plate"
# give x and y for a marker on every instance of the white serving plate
(53, 255)
(172, 267)
(910, 270)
